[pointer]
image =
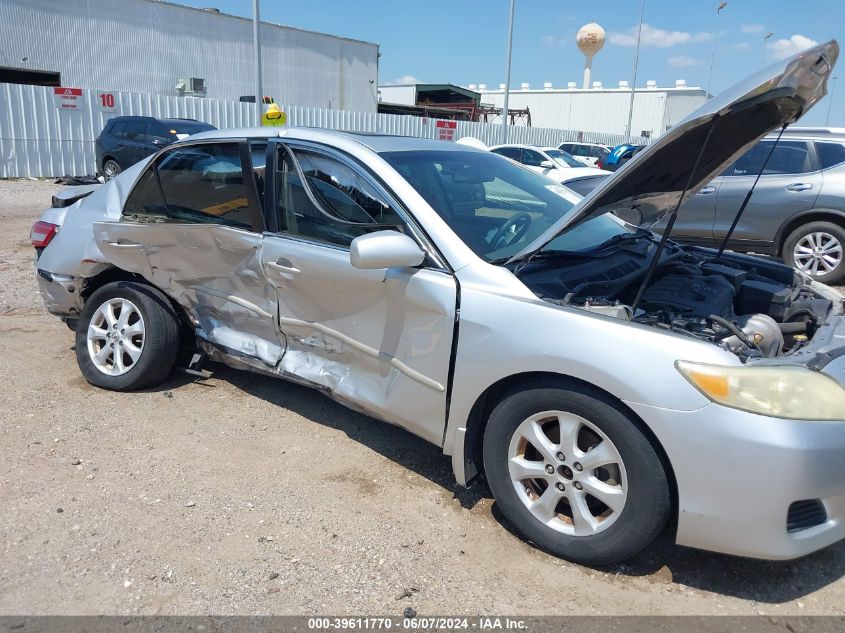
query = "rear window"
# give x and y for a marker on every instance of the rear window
(830, 154)
(182, 129)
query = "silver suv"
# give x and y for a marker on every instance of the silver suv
(797, 211)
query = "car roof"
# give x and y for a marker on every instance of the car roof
(129, 117)
(378, 143)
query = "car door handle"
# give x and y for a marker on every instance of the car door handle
(799, 186)
(284, 266)
(125, 245)
(705, 190)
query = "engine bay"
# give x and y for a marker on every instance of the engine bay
(751, 306)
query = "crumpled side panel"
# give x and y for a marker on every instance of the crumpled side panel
(211, 271)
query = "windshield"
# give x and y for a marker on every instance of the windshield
(565, 159)
(495, 206)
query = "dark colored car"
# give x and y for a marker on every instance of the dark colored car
(619, 155)
(127, 139)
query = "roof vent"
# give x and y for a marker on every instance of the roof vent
(502, 86)
(472, 86)
(572, 85)
(482, 87)
(680, 83)
(524, 86)
(651, 83)
(597, 85)
(547, 85)
(623, 83)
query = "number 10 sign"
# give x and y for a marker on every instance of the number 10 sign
(106, 102)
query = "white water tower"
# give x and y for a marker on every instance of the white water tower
(590, 40)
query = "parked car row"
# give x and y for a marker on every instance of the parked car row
(604, 380)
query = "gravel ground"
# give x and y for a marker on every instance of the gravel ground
(243, 494)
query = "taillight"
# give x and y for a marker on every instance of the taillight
(42, 233)
(599, 164)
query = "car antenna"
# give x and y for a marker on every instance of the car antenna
(671, 223)
(748, 196)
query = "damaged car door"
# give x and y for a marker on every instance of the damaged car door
(381, 338)
(192, 227)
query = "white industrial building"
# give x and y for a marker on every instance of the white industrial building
(150, 46)
(601, 109)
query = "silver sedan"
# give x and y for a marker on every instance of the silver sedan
(604, 380)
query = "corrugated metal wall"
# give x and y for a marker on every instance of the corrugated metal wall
(147, 46)
(39, 140)
(603, 110)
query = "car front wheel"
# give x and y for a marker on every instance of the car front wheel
(127, 337)
(573, 473)
(111, 169)
(817, 249)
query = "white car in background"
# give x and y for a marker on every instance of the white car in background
(590, 154)
(547, 161)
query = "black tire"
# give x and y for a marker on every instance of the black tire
(833, 277)
(647, 507)
(160, 343)
(111, 168)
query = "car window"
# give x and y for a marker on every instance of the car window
(789, 157)
(348, 205)
(598, 152)
(532, 158)
(136, 130)
(494, 206)
(568, 147)
(563, 158)
(118, 129)
(157, 132)
(196, 184)
(513, 153)
(830, 153)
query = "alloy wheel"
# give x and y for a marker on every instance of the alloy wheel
(567, 473)
(817, 253)
(116, 336)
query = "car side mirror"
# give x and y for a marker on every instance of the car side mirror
(385, 249)
(547, 164)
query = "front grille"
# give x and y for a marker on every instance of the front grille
(805, 514)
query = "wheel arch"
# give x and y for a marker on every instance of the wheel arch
(836, 216)
(114, 274)
(495, 393)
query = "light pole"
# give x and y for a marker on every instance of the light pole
(765, 44)
(830, 103)
(256, 43)
(507, 76)
(636, 66)
(721, 6)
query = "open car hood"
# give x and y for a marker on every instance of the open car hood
(650, 185)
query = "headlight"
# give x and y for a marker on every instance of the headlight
(779, 391)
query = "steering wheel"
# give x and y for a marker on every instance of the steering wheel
(518, 224)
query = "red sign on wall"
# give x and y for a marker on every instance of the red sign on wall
(67, 98)
(446, 130)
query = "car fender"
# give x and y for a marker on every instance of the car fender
(803, 217)
(504, 333)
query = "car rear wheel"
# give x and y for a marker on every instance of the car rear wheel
(574, 474)
(111, 169)
(817, 249)
(127, 337)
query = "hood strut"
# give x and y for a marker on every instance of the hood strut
(748, 195)
(673, 215)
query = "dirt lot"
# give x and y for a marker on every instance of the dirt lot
(243, 494)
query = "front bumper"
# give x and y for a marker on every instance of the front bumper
(61, 293)
(738, 473)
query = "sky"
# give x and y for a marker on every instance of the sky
(464, 41)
